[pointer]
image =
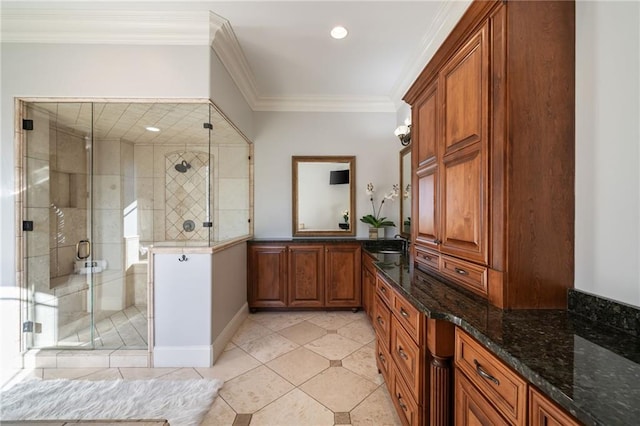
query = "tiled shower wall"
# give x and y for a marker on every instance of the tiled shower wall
(163, 205)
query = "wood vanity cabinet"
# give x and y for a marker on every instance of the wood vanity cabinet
(305, 286)
(343, 275)
(368, 284)
(488, 392)
(401, 346)
(267, 275)
(544, 412)
(493, 154)
(304, 275)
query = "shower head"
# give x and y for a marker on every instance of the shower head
(183, 166)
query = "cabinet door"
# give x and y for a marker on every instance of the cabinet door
(427, 229)
(471, 407)
(543, 412)
(464, 223)
(267, 277)
(342, 275)
(425, 126)
(368, 290)
(464, 171)
(464, 81)
(306, 275)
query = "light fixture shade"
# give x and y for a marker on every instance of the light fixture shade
(401, 130)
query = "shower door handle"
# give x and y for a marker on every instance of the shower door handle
(87, 245)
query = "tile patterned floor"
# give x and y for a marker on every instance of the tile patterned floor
(289, 368)
(126, 329)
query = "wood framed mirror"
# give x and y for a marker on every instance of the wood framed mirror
(323, 195)
(405, 192)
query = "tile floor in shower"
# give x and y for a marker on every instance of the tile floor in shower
(125, 329)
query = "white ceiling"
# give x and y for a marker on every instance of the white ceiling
(282, 57)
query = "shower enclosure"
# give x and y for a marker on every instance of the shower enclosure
(101, 183)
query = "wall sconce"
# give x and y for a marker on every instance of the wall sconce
(403, 132)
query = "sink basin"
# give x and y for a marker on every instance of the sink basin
(389, 252)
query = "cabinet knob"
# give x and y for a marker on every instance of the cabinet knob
(461, 271)
(379, 319)
(403, 354)
(401, 402)
(382, 358)
(404, 313)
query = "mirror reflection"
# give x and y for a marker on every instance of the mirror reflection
(405, 191)
(323, 201)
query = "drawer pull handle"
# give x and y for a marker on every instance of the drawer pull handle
(382, 358)
(402, 404)
(425, 257)
(402, 353)
(461, 271)
(437, 241)
(404, 313)
(379, 319)
(484, 374)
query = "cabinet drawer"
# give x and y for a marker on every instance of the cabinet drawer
(406, 354)
(471, 408)
(409, 317)
(543, 412)
(383, 361)
(382, 321)
(427, 258)
(501, 385)
(469, 275)
(384, 290)
(406, 406)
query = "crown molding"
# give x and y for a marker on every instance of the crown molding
(95, 26)
(224, 43)
(446, 18)
(326, 104)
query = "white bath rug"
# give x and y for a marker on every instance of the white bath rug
(181, 402)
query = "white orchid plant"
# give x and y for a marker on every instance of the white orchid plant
(376, 220)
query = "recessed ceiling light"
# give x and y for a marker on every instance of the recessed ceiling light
(152, 129)
(339, 32)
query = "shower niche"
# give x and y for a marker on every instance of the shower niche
(103, 183)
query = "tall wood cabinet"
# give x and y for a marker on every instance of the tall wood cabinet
(304, 275)
(493, 154)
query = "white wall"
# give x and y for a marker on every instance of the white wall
(607, 252)
(280, 135)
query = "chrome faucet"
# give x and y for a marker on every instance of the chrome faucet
(405, 244)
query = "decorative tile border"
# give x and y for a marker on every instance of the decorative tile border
(606, 311)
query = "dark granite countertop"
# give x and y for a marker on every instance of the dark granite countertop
(590, 369)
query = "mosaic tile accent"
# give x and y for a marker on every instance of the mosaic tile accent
(342, 418)
(186, 195)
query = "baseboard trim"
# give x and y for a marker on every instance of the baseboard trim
(182, 356)
(227, 333)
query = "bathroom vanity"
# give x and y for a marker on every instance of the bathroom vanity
(312, 273)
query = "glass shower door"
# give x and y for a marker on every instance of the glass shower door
(57, 207)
